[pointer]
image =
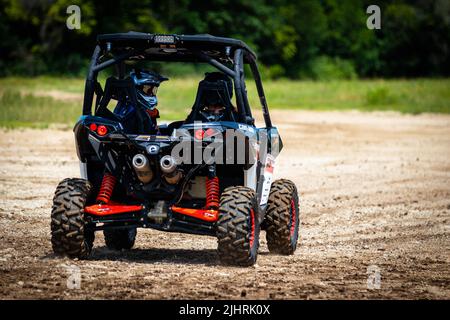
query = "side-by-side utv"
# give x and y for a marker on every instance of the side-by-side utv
(153, 179)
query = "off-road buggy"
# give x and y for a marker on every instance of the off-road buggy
(132, 179)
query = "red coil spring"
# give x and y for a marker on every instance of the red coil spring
(107, 187)
(212, 193)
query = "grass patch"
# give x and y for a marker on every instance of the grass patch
(407, 96)
(28, 110)
(42, 84)
(380, 96)
(24, 101)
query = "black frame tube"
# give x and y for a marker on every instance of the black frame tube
(216, 64)
(113, 61)
(90, 83)
(260, 89)
(238, 69)
(248, 110)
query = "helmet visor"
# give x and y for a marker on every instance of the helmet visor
(150, 90)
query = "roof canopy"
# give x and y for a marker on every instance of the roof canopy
(173, 47)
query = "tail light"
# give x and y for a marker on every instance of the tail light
(198, 134)
(210, 132)
(102, 130)
(93, 126)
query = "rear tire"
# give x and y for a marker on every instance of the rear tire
(238, 227)
(282, 218)
(118, 239)
(68, 233)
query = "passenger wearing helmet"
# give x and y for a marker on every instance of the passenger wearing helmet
(147, 84)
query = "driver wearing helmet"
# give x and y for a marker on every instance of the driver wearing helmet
(213, 105)
(146, 83)
(213, 109)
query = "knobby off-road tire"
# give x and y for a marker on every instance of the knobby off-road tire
(68, 234)
(238, 227)
(282, 217)
(118, 239)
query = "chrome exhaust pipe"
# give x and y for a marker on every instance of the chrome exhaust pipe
(169, 168)
(142, 168)
(168, 164)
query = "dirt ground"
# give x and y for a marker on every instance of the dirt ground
(374, 200)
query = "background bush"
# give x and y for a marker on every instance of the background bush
(315, 39)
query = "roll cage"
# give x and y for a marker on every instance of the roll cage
(226, 54)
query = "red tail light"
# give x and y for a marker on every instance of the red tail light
(210, 132)
(93, 126)
(199, 134)
(102, 130)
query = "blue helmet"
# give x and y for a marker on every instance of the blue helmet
(147, 83)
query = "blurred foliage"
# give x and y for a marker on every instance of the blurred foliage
(317, 39)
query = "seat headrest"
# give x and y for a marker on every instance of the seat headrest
(117, 89)
(120, 88)
(214, 93)
(215, 89)
(219, 77)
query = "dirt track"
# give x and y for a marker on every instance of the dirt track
(374, 191)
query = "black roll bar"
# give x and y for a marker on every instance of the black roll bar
(113, 60)
(216, 64)
(238, 59)
(260, 89)
(237, 74)
(90, 83)
(248, 111)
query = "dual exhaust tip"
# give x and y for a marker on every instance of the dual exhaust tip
(167, 164)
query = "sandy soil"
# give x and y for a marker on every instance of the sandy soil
(374, 195)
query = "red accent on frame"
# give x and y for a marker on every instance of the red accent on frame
(209, 212)
(111, 208)
(202, 214)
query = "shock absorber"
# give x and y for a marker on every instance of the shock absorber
(212, 189)
(210, 211)
(106, 189)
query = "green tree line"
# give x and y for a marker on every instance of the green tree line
(315, 39)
